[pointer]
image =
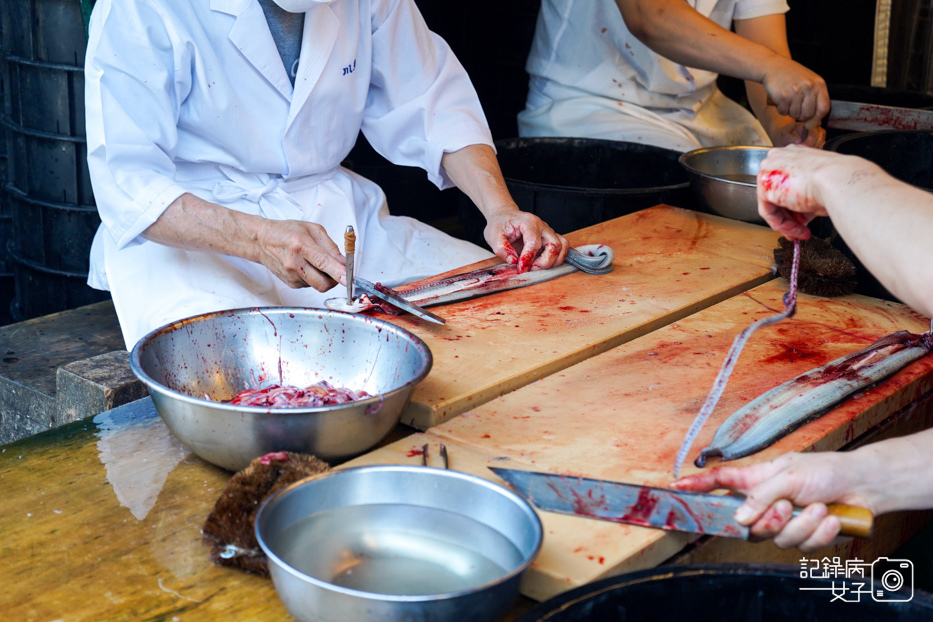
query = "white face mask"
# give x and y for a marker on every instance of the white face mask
(299, 6)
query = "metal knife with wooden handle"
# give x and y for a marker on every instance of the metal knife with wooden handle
(660, 508)
(863, 117)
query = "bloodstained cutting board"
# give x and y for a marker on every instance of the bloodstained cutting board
(669, 263)
(622, 415)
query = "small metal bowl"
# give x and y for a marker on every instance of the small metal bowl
(381, 543)
(190, 363)
(723, 179)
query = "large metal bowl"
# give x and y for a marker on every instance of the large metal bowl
(723, 179)
(393, 543)
(188, 364)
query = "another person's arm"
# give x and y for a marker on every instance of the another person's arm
(475, 170)
(771, 32)
(675, 30)
(887, 476)
(884, 221)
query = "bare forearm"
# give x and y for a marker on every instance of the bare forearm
(886, 223)
(896, 472)
(299, 253)
(475, 170)
(678, 32)
(191, 223)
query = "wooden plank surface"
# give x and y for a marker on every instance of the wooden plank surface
(622, 415)
(669, 264)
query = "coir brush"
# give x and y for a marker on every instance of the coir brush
(229, 528)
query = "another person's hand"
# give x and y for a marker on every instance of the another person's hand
(301, 254)
(788, 195)
(524, 239)
(772, 489)
(794, 133)
(797, 92)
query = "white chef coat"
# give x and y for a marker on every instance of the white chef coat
(192, 96)
(590, 77)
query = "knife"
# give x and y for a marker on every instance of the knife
(859, 117)
(660, 508)
(862, 117)
(394, 298)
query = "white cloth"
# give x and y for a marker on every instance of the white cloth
(192, 96)
(590, 77)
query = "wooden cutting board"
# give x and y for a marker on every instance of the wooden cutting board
(622, 415)
(669, 263)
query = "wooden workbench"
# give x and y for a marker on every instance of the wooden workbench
(101, 518)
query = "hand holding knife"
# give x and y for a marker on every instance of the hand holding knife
(660, 508)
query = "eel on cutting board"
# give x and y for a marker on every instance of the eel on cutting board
(592, 259)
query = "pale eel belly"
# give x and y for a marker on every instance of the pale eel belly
(592, 259)
(783, 409)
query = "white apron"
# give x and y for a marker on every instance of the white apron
(590, 77)
(191, 96)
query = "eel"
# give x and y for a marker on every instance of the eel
(783, 409)
(722, 378)
(592, 259)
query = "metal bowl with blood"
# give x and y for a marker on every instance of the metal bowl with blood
(193, 365)
(724, 179)
(381, 543)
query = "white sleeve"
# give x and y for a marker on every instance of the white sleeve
(421, 103)
(750, 9)
(133, 91)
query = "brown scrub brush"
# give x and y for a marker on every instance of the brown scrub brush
(824, 269)
(229, 528)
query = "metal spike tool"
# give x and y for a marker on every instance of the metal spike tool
(349, 247)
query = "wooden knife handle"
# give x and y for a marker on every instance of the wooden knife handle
(349, 241)
(855, 521)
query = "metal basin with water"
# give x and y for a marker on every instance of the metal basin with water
(382, 543)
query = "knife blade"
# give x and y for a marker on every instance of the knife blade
(862, 117)
(393, 297)
(659, 508)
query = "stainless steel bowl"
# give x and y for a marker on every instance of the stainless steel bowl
(723, 179)
(189, 363)
(393, 543)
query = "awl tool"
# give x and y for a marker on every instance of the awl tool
(349, 248)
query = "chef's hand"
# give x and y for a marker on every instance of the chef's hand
(521, 238)
(517, 237)
(796, 91)
(772, 488)
(301, 254)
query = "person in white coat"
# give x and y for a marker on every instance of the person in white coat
(645, 71)
(215, 132)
